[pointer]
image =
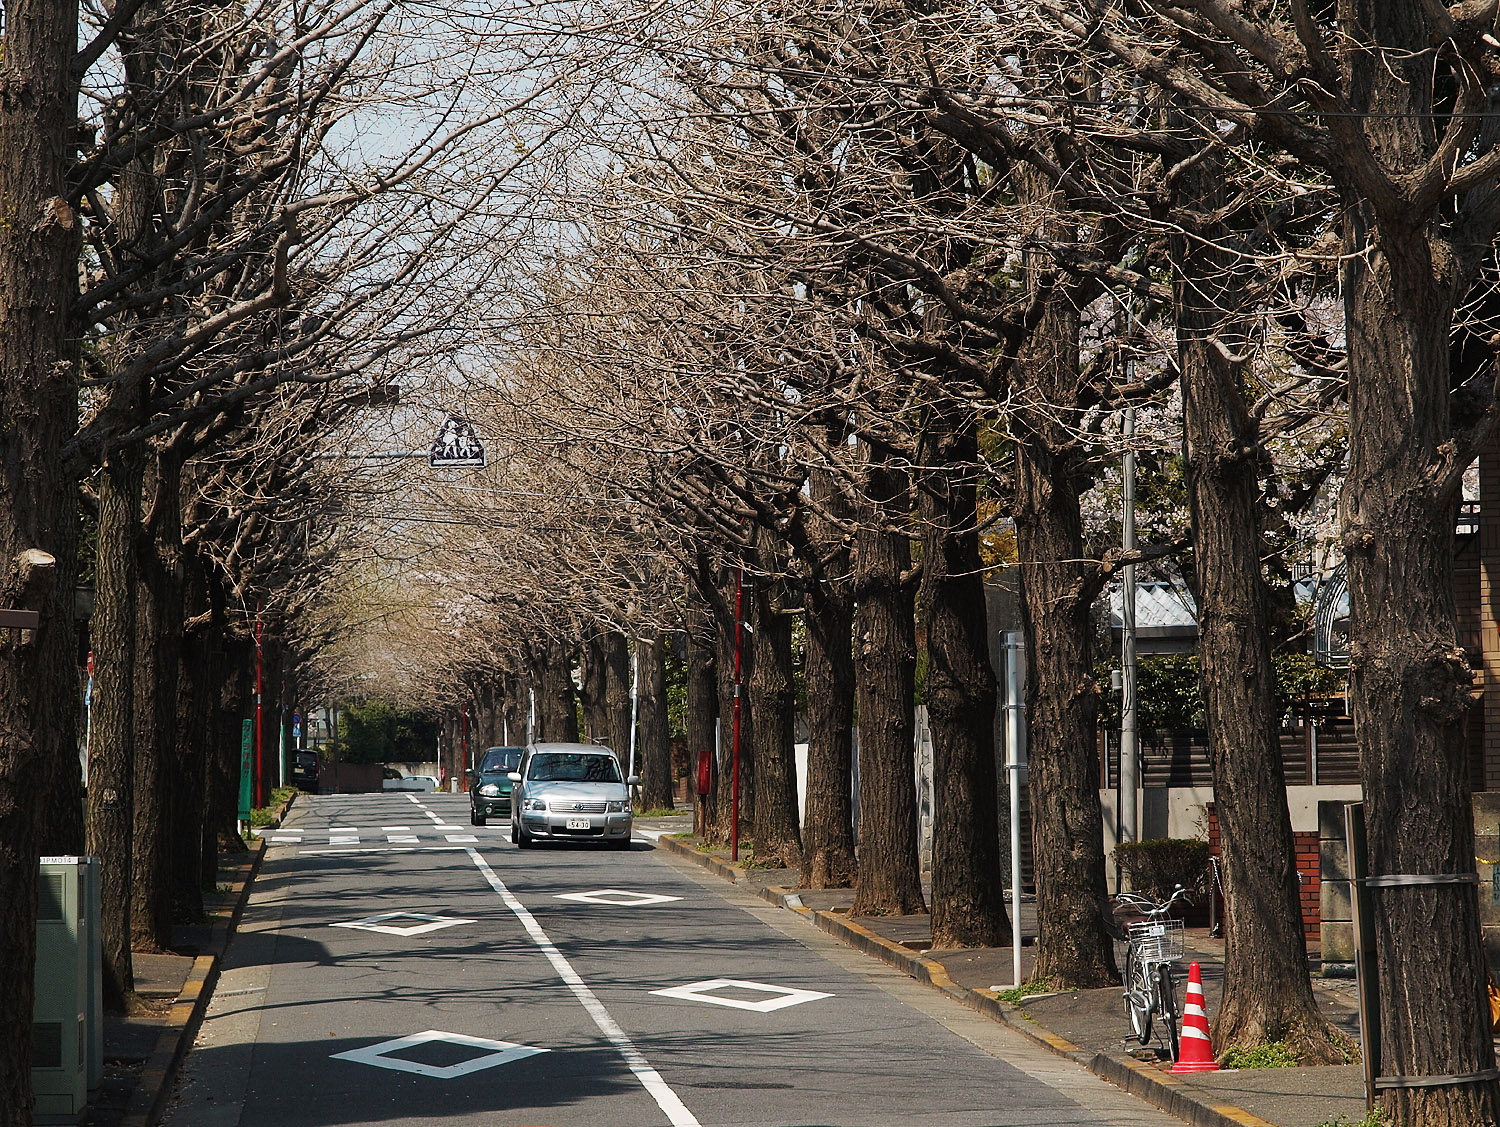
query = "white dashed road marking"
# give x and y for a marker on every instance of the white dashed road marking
(666, 1099)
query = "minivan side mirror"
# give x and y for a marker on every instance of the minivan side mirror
(514, 776)
(633, 780)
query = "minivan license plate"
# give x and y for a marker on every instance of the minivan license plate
(578, 823)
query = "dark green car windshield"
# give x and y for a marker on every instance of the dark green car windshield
(500, 760)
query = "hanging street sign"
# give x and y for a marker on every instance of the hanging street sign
(456, 445)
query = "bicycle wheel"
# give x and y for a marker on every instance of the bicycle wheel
(1167, 994)
(1139, 1000)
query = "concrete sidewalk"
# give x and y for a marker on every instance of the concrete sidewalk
(144, 1049)
(1089, 1026)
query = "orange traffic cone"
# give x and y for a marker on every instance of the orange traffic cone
(1197, 1052)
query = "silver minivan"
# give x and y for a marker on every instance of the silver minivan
(570, 792)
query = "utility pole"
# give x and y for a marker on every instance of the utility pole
(1129, 815)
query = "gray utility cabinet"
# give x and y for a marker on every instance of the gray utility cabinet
(67, 1023)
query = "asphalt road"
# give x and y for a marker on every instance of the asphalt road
(397, 966)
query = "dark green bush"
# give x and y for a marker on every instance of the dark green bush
(1155, 868)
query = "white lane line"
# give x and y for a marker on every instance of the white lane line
(437, 820)
(666, 1099)
(384, 849)
(401, 839)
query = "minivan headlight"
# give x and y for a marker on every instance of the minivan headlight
(539, 804)
(489, 790)
(616, 807)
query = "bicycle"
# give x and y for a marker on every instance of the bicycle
(1153, 945)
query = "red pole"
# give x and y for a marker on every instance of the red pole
(259, 788)
(734, 809)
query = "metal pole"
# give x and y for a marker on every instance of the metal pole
(1366, 966)
(258, 790)
(281, 739)
(634, 703)
(531, 719)
(1129, 762)
(88, 718)
(1015, 649)
(739, 691)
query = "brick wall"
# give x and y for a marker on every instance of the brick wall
(1309, 861)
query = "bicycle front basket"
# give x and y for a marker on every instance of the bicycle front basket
(1157, 939)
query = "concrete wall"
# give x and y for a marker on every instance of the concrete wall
(1337, 932)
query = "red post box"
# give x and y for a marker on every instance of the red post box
(705, 773)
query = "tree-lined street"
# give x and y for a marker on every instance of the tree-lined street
(563, 950)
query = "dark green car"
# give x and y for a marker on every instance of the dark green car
(489, 790)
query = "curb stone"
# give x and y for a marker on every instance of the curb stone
(1150, 1084)
(149, 1098)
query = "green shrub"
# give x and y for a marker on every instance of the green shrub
(1273, 1054)
(1157, 867)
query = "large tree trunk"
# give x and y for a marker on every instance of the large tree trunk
(617, 691)
(828, 672)
(968, 897)
(513, 710)
(192, 734)
(778, 838)
(235, 691)
(1409, 680)
(885, 661)
(1267, 992)
(654, 761)
(1073, 948)
(735, 779)
(593, 691)
(702, 701)
(157, 666)
(111, 817)
(38, 517)
(556, 698)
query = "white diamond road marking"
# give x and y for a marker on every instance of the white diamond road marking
(461, 839)
(378, 923)
(617, 898)
(500, 1052)
(782, 996)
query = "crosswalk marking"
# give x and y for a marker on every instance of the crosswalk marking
(401, 839)
(462, 839)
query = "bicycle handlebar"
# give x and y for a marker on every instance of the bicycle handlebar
(1149, 907)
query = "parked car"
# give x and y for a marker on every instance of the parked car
(570, 792)
(489, 789)
(304, 771)
(395, 780)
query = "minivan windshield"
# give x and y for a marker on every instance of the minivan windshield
(500, 759)
(561, 766)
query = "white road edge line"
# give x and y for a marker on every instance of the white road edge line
(666, 1099)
